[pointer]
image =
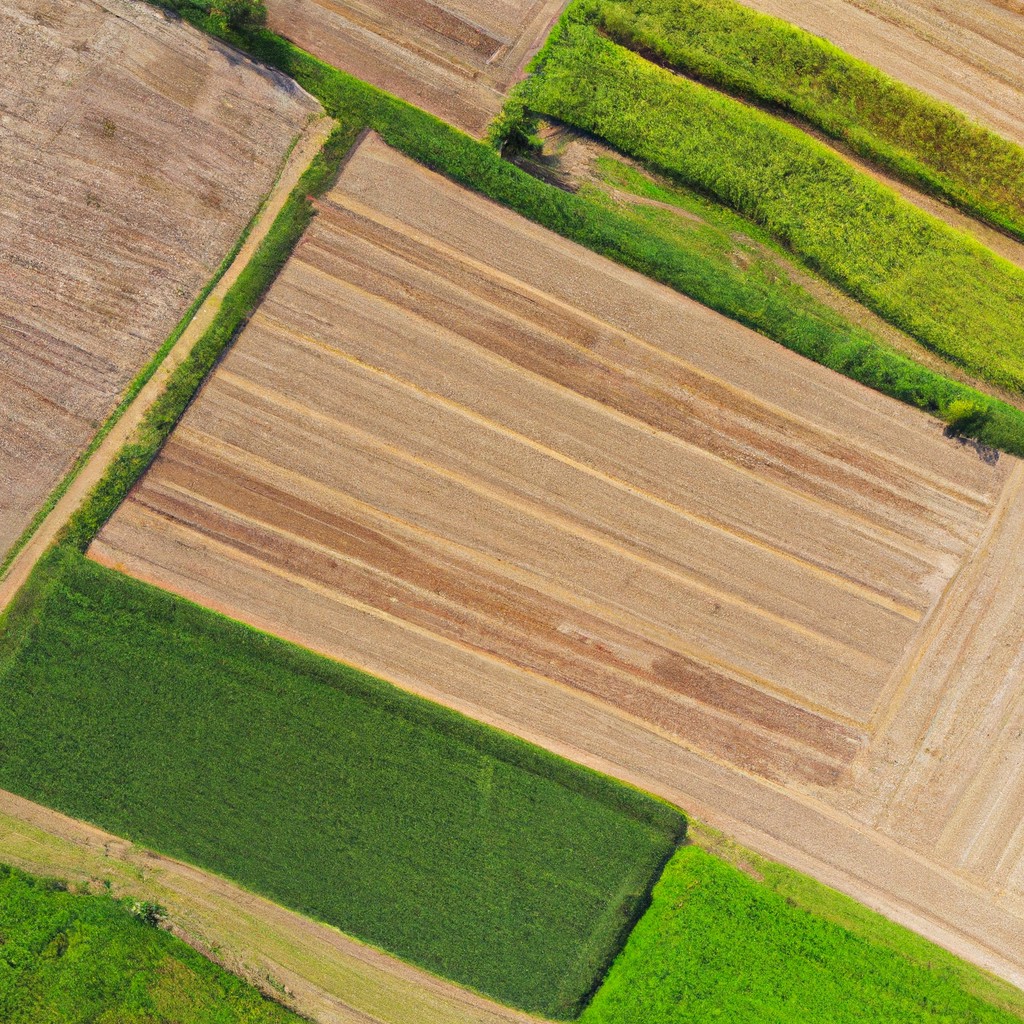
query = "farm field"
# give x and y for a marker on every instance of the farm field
(925, 142)
(717, 936)
(455, 59)
(75, 957)
(455, 847)
(130, 168)
(563, 499)
(937, 284)
(312, 968)
(969, 53)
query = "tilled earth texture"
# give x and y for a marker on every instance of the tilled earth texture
(966, 52)
(468, 456)
(456, 59)
(133, 151)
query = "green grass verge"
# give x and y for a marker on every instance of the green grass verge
(926, 142)
(716, 944)
(459, 848)
(75, 958)
(937, 284)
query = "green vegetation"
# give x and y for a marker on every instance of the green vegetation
(926, 142)
(478, 856)
(75, 958)
(935, 283)
(718, 944)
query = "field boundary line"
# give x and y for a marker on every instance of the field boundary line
(99, 460)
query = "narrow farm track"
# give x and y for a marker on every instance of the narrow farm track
(328, 977)
(456, 60)
(969, 53)
(135, 150)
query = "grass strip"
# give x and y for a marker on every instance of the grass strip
(78, 958)
(450, 844)
(718, 944)
(925, 142)
(937, 284)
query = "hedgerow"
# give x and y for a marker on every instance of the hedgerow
(937, 284)
(69, 957)
(924, 141)
(718, 944)
(478, 856)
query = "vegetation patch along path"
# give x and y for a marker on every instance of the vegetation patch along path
(575, 505)
(468, 852)
(135, 152)
(937, 284)
(78, 958)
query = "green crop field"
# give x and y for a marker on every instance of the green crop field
(937, 284)
(80, 958)
(928, 143)
(478, 856)
(716, 944)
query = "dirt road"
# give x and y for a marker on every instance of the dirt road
(966, 52)
(325, 975)
(468, 456)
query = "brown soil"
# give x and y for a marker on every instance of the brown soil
(455, 60)
(969, 53)
(307, 146)
(135, 151)
(470, 457)
(311, 967)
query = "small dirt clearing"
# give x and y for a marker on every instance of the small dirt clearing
(135, 152)
(464, 454)
(455, 60)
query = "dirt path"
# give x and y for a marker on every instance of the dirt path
(324, 974)
(309, 143)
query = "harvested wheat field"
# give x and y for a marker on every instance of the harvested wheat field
(455, 59)
(969, 53)
(475, 459)
(135, 151)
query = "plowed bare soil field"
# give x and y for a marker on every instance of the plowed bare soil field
(134, 152)
(466, 455)
(969, 53)
(456, 59)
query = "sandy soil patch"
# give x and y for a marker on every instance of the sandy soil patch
(135, 151)
(466, 455)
